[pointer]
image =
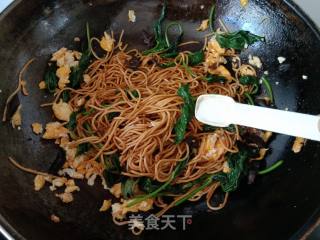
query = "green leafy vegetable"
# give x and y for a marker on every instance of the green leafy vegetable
(271, 168)
(83, 148)
(230, 181)
(89, 112)
(195, 58)
(177, 171)
(208, 128)
(65, 96)
(132, 94)
(237, 40)
(212, 17)
(112, 115)
(267, 85)
(249, 80)
(167, 65)
(215, 79)
(72, 124)
(249, 98)
(112, 169)
(187, 112)
(76, 75)
(161, 43)
(50, 77)
(127, 187)
(172, 49)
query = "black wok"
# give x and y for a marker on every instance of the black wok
(281, 205)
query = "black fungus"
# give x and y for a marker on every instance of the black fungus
(134, 63)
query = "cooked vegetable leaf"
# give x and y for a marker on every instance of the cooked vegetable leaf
(214, 79)
(237, 40)
(167, 65)
(187, 112)
(132, 94)
(127, 187)
(72, 124)
(112, 115)
(249, 80)
(76, 75)
(267, 85)
(50, 77)
(195, 58)
(65, 96)
(230, 181)
(172, 50)
(208, 128)
(271, 168)
(180, 166)
(89, 112)
(112, 169)
(161, 43)
(83, 148)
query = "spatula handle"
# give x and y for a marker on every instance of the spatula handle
(289, 123)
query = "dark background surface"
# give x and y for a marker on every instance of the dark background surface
(37, 28)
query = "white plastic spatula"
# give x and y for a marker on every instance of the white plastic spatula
(221, 111)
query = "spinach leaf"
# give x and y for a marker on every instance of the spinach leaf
(249, 98)
(72, 124)
(76, 75)
(237, 40)
(208, 128)
(167, 65)
(147, 185)
(83, 148)
(230, 181)
(84, 112)
(215, 79)
(172, 49)
(112, 170)
(249, 80)
(128, 186)
(132, 94)
(65, 96)
(187, 112)
(112, 115)
(161, 43)
(179, 168)
(50, 77)
(195, 58)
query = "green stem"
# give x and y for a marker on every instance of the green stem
(150, 195)
(268, 87)
(211, 16)
(167, 31)
(271, 168)
(249, 98)
(195, 191)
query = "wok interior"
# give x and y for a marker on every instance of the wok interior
(276, 206)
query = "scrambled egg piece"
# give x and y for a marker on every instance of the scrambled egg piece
(71, 189)
(204, 25)
(86, 78)
(214, 56)
(37, 128)
(266, 136)
(54, 218)
(55, 130)
(63, 75)
(119, 210)
(59, 54)
(298, 144)
(131, 16)
(107, 42)
(42, 85)
(62, 111)
(255, 61)
(116, 190)
(65, 197)
(211, 148)
(244, 2)
(262, 153)
(221, 71)
(247, 71)
(39, 182)
(105, 205)
(16, 119)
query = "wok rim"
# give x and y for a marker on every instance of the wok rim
(10, 233)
